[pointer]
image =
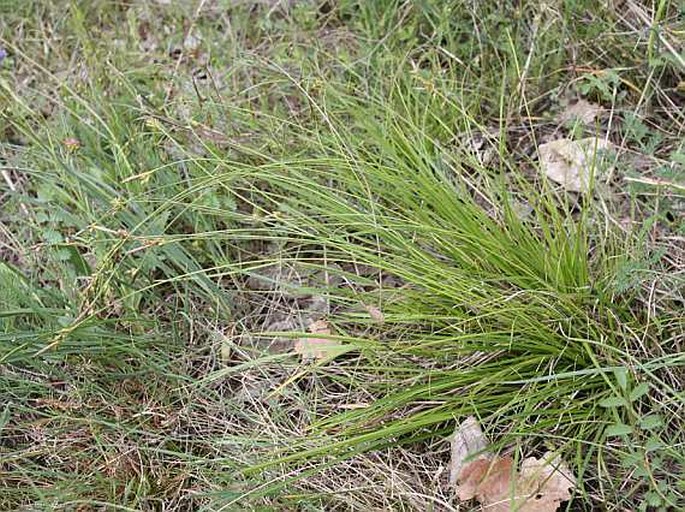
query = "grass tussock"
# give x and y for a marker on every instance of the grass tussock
(190, 186)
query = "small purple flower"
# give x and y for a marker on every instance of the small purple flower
(3, 54)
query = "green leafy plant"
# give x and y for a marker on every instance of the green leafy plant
(195, 187)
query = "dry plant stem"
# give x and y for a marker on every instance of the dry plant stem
(8, 179)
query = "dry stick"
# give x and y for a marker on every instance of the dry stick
(656, 182)
(13, 188)
(8, 180)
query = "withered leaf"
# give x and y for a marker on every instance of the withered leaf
(318, 348)
(467, 441)
(582, 110)
(488, 479)
(540, 486)
(375, 313)
(544, 483)
(571, 163)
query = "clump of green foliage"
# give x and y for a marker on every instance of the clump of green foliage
(159, 158)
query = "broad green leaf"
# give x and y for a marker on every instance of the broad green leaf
(613, 401)
(653, 499)
(651, 422)
(653, 444)
(618, 429)
(640, 391)
(621, 375)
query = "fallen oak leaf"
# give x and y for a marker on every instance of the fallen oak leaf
(582, 110)
(319, 327)
(545, 483)
(467, 441)
(541, 485)
(319, 349)
(571, 163)
(488, 479)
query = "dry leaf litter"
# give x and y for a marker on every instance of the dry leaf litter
(539, 485)
(571, 163)
(319, 349)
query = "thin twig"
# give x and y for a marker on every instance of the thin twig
(13, 188)
(657, 182)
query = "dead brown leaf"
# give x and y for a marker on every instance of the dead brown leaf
(468, 440)
(540, 485)
(489, 481)
(545, 483)
(581, 110)
(319, 327)
(317, 348)
(375, 313)
(571, 163)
